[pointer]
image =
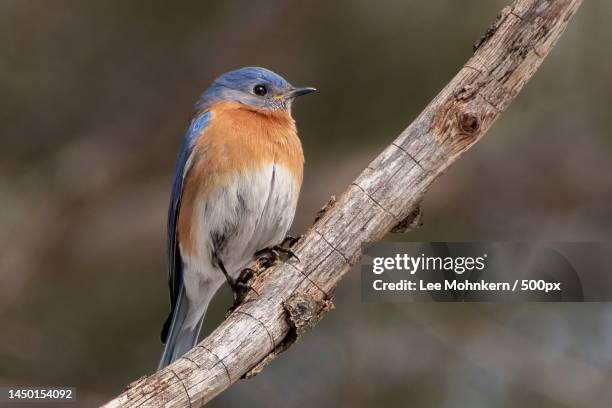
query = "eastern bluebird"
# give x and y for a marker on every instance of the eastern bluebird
(236, 185)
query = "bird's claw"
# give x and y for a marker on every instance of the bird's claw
(240, 287)
(268, 256)
(289, 241)
(286, 251)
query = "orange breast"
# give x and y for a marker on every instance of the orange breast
(238, 139)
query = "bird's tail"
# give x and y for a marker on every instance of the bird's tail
(178, 336)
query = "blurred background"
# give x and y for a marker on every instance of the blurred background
(96, 96)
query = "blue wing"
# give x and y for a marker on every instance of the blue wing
(175, 263)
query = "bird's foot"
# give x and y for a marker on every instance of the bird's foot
(286, 245)
(268, 256)
(286, 251)
(240, 287)
(289, 241)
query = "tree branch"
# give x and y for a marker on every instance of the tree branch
(290, 297)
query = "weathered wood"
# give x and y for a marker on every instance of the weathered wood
(290, 297)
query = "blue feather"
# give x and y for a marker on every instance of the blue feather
(175, 267)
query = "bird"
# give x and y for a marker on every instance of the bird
(236, 184)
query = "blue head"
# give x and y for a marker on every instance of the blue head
(255, 87)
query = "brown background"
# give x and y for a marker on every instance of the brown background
(96, 95)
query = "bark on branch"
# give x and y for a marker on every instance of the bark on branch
(290, 297)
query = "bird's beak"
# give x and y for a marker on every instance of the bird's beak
(295, 92)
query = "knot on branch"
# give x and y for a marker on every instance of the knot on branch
(458, 124)
(412, 221)
(304, 312)
(469, 123)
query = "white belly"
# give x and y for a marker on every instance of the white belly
(252, 212)
(255, 212)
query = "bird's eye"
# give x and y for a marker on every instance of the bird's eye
(260, 90)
